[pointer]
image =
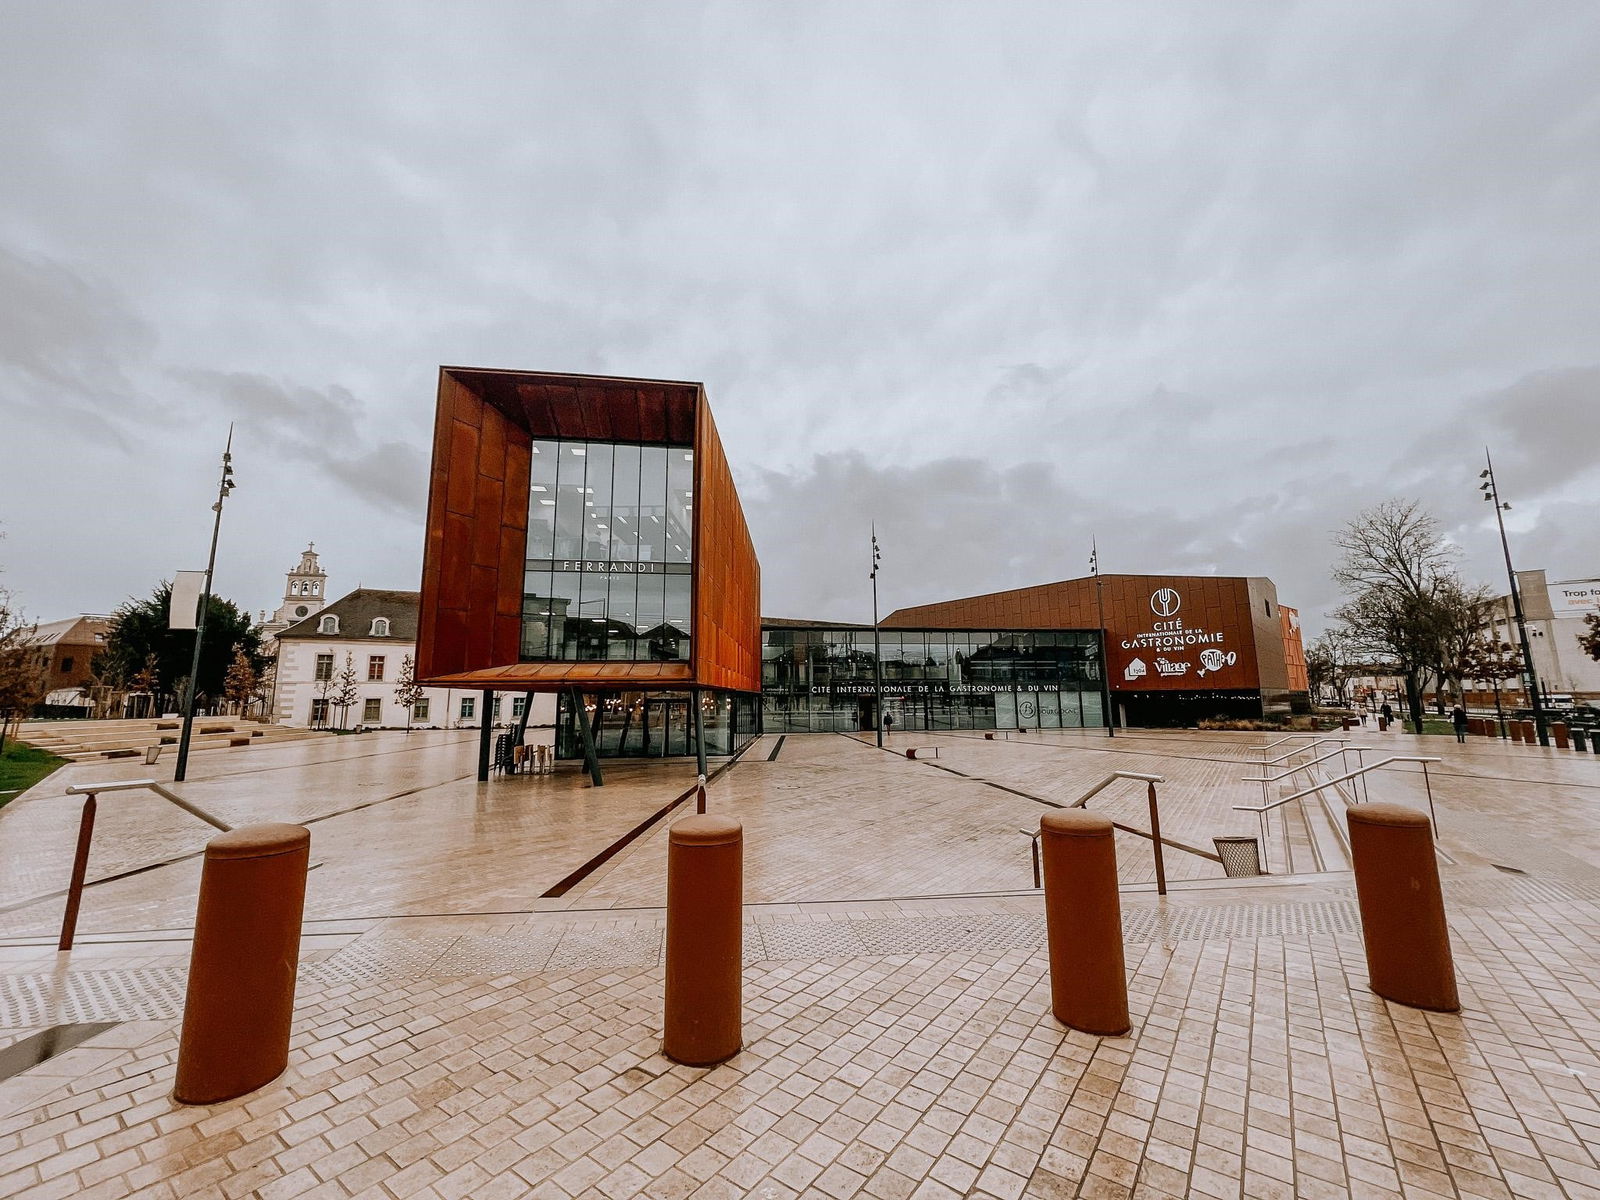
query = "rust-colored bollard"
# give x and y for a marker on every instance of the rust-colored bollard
(1530, 733)
(988, 737)
(1515, 728)
(705, 911)
(1383, 724)
(1402, 909)
(242, 970)
(1558, 731)
(1344, 724)
(1083, 918)
(911, 751)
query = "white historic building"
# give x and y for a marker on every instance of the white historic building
(369, 634)
(304, 592)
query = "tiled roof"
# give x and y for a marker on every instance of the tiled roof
(356, 613)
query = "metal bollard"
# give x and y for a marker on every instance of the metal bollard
(240, 1003)
(1402, 908)
(1558, 732)
(1083, 919)
(705, 910)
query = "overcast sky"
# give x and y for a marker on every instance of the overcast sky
(1199, 280)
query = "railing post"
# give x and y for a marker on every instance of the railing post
(1038, 880)
(1433, 817)
(80, 866)
(1155, 842)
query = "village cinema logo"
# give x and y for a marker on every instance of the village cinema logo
(1165, 601)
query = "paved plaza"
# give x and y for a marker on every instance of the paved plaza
(479, 1008)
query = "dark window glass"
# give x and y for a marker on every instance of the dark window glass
(653, 504)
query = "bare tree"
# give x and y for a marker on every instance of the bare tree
(1394, 565)
(345, 691)
(406, 691)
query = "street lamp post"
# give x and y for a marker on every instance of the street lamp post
(1105, 659)
(223, 488)
(1491, 493)
(877, 655)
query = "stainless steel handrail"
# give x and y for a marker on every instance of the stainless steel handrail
(1150, 782)
(1286, 738)
(1109, 780)
(1267, 762)
(1370, 767)
(1294, 770)
(128, 785)
(80, 859)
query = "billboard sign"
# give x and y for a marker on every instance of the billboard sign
(1575, 597)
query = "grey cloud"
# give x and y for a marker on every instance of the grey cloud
(1205, 280)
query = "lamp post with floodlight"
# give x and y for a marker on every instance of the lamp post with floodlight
(223, 488)
(1491, 493)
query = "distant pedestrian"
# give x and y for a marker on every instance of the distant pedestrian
(1458, 718)
(888, 724)
(1386, 712)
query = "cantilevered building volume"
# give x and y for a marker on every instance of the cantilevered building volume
(584, 537)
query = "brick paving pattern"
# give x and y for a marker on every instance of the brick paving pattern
(454, 1039)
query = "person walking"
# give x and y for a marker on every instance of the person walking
(1458, 718)
(888, 724)
(1386, 713)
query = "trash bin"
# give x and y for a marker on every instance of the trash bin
(151, 753)
(1241, 856)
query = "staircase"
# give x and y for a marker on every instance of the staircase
(1309, 834)
(81, 741)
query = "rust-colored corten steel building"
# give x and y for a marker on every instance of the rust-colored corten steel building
(584, 537)
(1178, 647)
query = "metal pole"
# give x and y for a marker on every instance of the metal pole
(80, 866)
(1530, 676)
(223, 488)
(485, 734)
(1155, 842)
(877, 654)
(1105, 667)
(699, 734)
(1432, 816)
(1038, 879)
(586, 735)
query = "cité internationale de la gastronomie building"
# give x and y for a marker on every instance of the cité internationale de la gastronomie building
(584, 537)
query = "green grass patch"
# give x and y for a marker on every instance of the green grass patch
(22, 766)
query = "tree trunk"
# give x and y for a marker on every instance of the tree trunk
(1414, 699)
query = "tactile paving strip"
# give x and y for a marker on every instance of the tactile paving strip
(31, 1000)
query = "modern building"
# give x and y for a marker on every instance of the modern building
(1179, 648)
(370, 633)
(585, 540)
(1555, 614)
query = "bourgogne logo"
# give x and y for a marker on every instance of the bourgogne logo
(1165, 601)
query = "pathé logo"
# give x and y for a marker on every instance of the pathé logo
(1165, 601)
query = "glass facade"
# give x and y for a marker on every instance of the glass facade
(609, 561)
(656, 724)
(820, 679)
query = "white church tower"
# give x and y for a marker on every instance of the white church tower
(305, 591)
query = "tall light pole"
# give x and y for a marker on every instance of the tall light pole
(877, 656)
(225, 486)
(1491, 493)
(1100, 614)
